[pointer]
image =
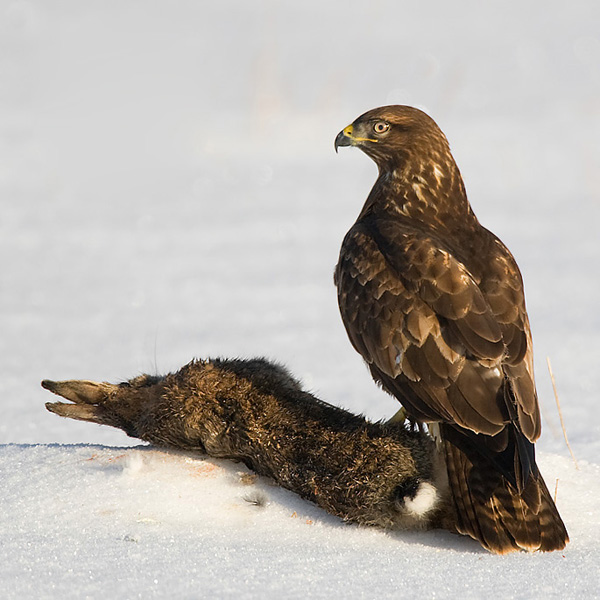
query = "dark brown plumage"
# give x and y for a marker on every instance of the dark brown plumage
(434, 303)
(254, 411)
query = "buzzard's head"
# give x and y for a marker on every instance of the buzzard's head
(391, 135)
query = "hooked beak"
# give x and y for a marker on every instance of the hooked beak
(344, 138)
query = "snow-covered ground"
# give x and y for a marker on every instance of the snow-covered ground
(169, 189)
(87, 521)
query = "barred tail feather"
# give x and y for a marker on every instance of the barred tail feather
(491, 510)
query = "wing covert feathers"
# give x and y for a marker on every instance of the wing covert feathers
(421, 322)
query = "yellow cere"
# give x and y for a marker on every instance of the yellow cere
(348, 133)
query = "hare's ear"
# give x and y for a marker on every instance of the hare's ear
(81, 412)
(81, 391)
(88, 397)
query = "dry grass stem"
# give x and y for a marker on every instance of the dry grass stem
(562, 423)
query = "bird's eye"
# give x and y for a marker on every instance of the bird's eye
(380, 126)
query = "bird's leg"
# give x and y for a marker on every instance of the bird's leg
(399, 417)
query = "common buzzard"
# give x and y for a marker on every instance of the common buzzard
(434, 303)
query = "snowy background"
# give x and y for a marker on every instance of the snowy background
(169, 189)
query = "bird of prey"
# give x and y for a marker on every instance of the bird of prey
(434, 303)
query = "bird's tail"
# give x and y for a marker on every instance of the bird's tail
(493, 511)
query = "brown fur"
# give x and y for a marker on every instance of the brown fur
(254, 411)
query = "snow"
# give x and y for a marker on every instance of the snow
(169, 189)
(83, 520)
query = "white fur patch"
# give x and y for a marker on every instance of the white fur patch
(424, 501)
